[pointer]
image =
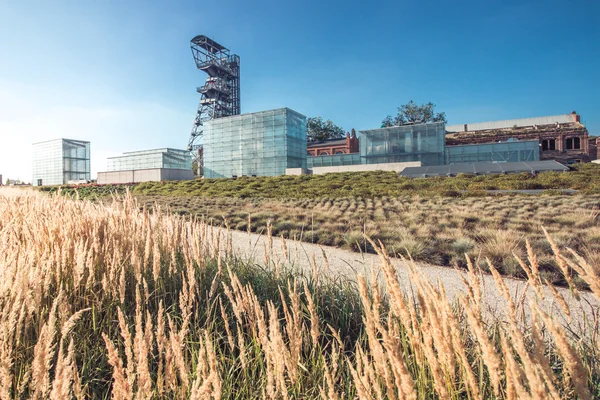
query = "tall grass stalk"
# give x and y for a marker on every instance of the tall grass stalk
(100, 301)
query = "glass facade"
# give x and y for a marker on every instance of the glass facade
(333, 160)
(151, 159)
(56, 162)
(525, 150)
(419, 142)
(258, 144)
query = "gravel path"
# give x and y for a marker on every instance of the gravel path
(347, 264)
(334, 262)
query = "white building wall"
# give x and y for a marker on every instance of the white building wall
(144, 175)
(396, 167)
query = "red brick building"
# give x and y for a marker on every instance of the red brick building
(329, 147)
(594, 148)
(562, 137)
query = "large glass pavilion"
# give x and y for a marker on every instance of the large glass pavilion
(257, 144)
(56, 162)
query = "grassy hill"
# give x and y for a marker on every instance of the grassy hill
(584, 178)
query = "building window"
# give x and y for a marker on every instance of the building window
(340, 152)
(548, 144)
(309, 154)
(323, 153)
(573, 143)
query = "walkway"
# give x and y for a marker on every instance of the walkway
(347, 264)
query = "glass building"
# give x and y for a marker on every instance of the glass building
(151, 159)
(56, 162)
(335, 160)
(418, 142)
(257, 144)
(512, 151)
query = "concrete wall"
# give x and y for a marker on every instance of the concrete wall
(298, 171)
(396, 167)
(168, 174)
(144, 175)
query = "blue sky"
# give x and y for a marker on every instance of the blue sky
(121, 74)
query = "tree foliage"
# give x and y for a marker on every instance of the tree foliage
(412, 112)
(317, 129)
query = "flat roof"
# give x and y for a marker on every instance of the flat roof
(54, 140)
(206, 43)
(510, 123)
(483, 168)
(405, 126)
(159, 149)
(254, 113)
(327, 143)
(151, 151)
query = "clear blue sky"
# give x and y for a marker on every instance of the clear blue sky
(121, 74)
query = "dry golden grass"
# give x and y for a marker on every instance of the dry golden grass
(101, 301)
(437, 230)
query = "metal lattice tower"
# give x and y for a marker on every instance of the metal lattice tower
(221, 91)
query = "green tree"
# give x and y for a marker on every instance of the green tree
(7, 182)
(412, 112)
(317, 129)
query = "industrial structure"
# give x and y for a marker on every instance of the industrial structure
(56, 162)
(220, 94)
(413, 145)
(148, 165)
(226, 143)
(560, 137)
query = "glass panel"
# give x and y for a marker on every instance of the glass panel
(422, 142)
(57, 162)
(258, 144)
(151, 159)
(526, 150)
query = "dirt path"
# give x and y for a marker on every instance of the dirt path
(346, 263)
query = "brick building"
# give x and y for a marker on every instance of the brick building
(562, 137)
(594, 148)
(330, 147)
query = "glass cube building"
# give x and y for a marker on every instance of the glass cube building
(418, 142)
(56, 162)
(257, 144)
(515, 151)
(151, 159)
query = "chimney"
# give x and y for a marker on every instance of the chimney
(576, 117)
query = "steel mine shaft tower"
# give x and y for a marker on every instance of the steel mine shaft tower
(221, 91)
